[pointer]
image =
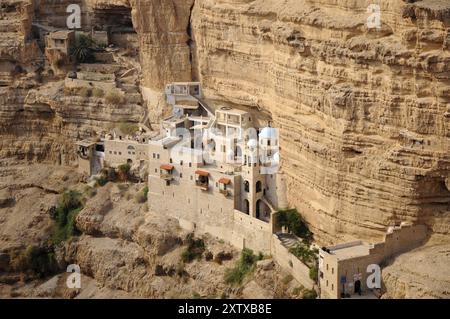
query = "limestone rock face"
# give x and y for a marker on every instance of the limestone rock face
(422, 273)
(363, 114)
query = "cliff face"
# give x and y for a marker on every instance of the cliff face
(363, 114)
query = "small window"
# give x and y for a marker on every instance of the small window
(181, 175)
(156, 170)
(170, 160)
(115, 153)
(181, 163)
(332, 287)
(327, 283)
(157, 156)
(332, 271)
(120, 153)
(190, 164)
(110, 152)
(327, 266)
(154, 155)
(129, 152)
(191, 178)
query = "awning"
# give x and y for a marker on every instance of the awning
(224, 181)
(167, 167)
(202, 173)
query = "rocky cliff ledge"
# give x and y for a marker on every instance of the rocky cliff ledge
(363, 114)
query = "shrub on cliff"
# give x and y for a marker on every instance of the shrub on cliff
(295, 223)
(309, 294)
(68, 208)
(98, 93)
(39, 260)
(194, 249)
(141, 196)
(85, 92)
(244, 266)
(124, 172)
(83, 49)
(128, 128)
(114, 97)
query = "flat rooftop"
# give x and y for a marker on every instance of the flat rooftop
(60, 35)
(229, 110)
(350, 250)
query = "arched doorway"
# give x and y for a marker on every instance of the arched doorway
(246, 208)
(258, 186)
(258, 208)
(247, 186)
(358, 287)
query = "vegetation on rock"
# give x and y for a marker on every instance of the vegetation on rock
(194, 249)
(83, 49)
(244, 266)
(66, 212)
(293, 221)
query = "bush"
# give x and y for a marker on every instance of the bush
(98, 93)
(314, 273)
(309, 294)
(102, 180)
(114, 98)
(90, 191)
(39, 260)
(128, 128)
(85, 92)
(66, 212)
(302, 252)
(244, 266)
(141, 197)
(295, 223)
(124, 172)
(83, 49)
(194, 249)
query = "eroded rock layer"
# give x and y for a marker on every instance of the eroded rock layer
(363, 114)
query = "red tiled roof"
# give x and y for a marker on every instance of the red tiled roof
(166, 167)
(201, 173)
(224, 181)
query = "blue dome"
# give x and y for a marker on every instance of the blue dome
(268, 132)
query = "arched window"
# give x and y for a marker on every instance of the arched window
(246, 208)
(247, 186)
(258, 208)
(258, 186)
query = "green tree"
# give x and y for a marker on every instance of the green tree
(83, 49)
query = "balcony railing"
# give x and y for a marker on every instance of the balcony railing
(225, 192)
(166, 176)
(203, 186)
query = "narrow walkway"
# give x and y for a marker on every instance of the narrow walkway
(288, 240)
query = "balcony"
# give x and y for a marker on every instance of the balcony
(225, 192)
(202, 179)
(202, 185)
(166, 171)
(166, 176)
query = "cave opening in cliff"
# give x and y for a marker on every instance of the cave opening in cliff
(116, 19)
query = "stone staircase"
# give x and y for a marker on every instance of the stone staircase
(288, 240)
